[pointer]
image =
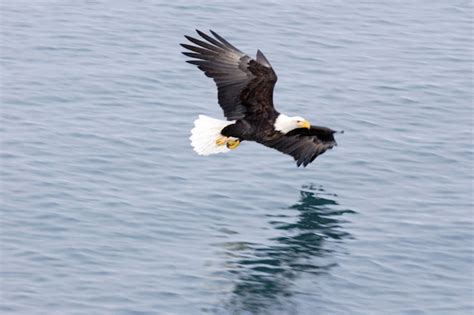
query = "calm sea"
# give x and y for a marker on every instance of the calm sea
(105, 208)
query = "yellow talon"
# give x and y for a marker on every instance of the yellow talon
(232, 144)
(221, 140)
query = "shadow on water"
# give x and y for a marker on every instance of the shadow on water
(265, 273)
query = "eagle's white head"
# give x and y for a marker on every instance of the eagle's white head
(285, 123)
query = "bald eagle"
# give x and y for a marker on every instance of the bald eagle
(245, 94)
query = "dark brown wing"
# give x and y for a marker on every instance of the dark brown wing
(245, 86)
(304, 145)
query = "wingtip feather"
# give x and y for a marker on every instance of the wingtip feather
(200, 33)
(261, 59)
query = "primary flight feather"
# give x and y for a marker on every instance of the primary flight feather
(245, 94)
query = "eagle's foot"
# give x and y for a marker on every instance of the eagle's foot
(221, 140)
(232, 143)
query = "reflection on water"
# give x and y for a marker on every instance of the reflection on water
(266, 272)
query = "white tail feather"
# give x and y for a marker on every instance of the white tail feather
(205, 133)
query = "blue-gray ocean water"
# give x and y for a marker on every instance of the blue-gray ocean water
(107, 210)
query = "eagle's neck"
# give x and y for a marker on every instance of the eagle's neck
(284, 123)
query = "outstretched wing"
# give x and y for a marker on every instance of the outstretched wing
(304, 145)
(245, 86)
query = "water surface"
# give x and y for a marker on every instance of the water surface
(107, 210)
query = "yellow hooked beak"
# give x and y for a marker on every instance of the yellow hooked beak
(304, 124)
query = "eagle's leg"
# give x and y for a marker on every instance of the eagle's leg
(231, 135)
(230, 142)
(221, 140)
(233, 143)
